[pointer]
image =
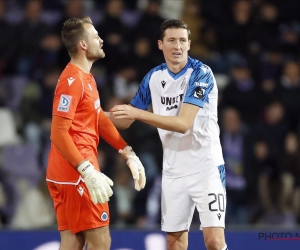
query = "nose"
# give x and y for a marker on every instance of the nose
(177, 45)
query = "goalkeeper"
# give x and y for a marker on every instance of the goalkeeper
(80, 192)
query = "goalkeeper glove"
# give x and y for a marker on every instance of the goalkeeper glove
(136, 167)
(97, 183)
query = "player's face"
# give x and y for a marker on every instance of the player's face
(175, 46)
(94, 44)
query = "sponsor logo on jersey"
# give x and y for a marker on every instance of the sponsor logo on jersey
(163, 83)
(64, 103)
(168, 101)
(172, 107)
(219, 215)
(199, 93)
(201, 84)
(104, 216)
(71, 80)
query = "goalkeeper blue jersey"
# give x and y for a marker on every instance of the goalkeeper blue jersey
(199, 148)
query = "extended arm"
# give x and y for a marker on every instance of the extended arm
(180, 123)
(120, 124)
(110, 134)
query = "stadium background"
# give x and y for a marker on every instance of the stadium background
(253, 49)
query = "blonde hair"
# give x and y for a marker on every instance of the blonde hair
(73, 31)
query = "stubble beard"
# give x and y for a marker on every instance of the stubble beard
(95, 55)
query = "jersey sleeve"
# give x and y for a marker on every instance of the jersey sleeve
(62, 140)
(142, 98)
(201, 84)
(67, 95)
(109, 133)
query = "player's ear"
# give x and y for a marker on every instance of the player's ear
(82, 44)
(159, 42)
(189, 45)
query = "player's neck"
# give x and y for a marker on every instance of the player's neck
(82, 63)
(176, 67)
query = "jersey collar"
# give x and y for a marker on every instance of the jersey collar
(175, 76)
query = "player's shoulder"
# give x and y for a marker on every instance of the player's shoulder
(158, 68)
(197, 65)
(70, 71)
(70, 75)
(154, 70)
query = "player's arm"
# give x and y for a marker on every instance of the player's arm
(141, 100)
(201, 84)
(120, 124)
(110, 134)
(97, 183)
(62, 140)
(181, 123)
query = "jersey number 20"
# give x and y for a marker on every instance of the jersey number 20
(217, 207)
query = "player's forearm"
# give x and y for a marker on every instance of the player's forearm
(171, 123)
(119, 124)
(109, 133)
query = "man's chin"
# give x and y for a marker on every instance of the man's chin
(176, 60)
(95, 58)
(102, 55)
(179, 60)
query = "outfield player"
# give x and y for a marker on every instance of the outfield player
(79, 190)
(184, 97)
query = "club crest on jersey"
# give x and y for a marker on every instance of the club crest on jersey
(64, 103)
(163, 83)
(199, 93)
(104, 216)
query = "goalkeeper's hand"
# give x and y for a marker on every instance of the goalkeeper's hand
(136, 167)
(98, 184)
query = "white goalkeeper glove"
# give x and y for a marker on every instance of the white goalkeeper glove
(98, 184)
(136, 167)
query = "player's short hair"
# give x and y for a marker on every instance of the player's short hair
(173, 24)
(73, 31)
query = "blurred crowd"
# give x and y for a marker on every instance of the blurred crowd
(253, 48)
